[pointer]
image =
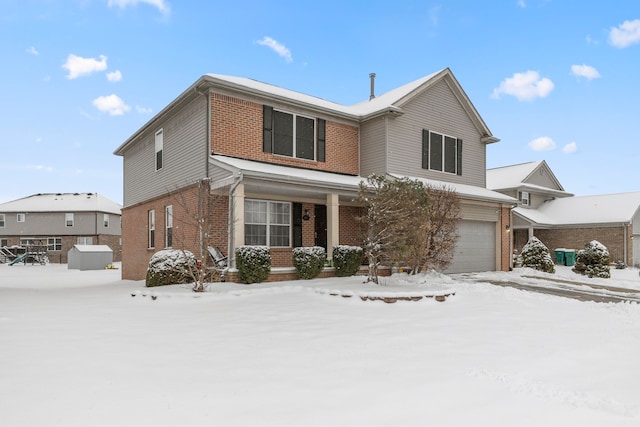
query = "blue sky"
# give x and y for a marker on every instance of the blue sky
(554, 80)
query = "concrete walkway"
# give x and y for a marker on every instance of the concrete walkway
(571, 289)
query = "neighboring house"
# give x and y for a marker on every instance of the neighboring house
(60, 221)
(288, 166)
(561, 220)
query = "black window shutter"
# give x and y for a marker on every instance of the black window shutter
(321, 148)
(459, 156)
(425, 149)
(297, 225)
(267, 129)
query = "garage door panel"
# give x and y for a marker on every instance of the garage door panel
(476, 247)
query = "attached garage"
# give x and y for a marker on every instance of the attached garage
(476, 247)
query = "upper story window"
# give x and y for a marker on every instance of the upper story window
(68, 220)
(441, 152)
(267, 223)
(168, 220)
(1, 220)
(152, 229)
(105, 220)
(159, 148)
(21, 217)
(292, 135)
(524, 198)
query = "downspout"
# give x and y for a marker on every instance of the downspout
(626, 242)
(231, 221)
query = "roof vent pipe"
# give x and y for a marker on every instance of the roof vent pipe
(372, 77)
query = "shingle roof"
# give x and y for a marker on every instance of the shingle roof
(583, 210)
(62, 202)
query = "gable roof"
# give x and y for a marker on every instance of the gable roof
(62, 202)
(389, 102)
(584, 210)
(516, 176)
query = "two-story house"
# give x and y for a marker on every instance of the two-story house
(61, 220)
(288, 166)
(561, 220)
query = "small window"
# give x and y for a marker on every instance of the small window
(54, 244)
(105, 220)
(168, 217)
(86, 240)
(523, 196)
(68, 219)
(2, 222)
(4, 242)
(152, 229)
(442, 153)
(159, 149)
(21, 217)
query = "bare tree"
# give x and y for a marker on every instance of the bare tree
(195, 231)
(441, 232)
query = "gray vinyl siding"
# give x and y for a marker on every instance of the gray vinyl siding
(185, 155)
(479, 212)
(436, 109)
(53, 224)
(542, 178)
(217, 173)
(373, 146)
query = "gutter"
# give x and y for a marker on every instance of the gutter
(230, 220)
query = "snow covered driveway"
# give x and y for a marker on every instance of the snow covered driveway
(77, 350)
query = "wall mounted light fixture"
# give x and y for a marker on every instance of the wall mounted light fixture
(306, 215)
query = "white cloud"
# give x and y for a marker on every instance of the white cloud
(522, 3)
(625, 34)
(278, 48)
(32, 51)
(524, 86)
(570, 148)
(114, 76)
(161, 5)
(544, 143)
(40, 168)
(111, 104)
(434, 14)
(586, 71)
(143, 110)
(79, 66)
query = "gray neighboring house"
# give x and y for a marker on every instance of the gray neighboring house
(60, 221)
(561, 220)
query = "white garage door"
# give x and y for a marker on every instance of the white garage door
(476, 247)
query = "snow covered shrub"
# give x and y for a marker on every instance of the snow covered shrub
(536, 255)
(254, 263)
(169, 267)
(309, 261)
(347, 260)
(593, 260)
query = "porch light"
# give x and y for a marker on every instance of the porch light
(306, 215)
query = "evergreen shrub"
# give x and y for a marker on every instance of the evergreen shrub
(536, 255)
(347, 260)
(253, 263)
(593, 260)
(309, 261)
(170, 267)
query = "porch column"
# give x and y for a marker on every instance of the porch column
(236, 221)
(333, 223)
(530, 232)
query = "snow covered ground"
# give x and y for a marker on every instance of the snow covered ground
(77, 349)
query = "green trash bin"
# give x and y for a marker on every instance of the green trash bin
(569, 257)
(560, 256)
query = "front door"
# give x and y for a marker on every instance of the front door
(320, 212)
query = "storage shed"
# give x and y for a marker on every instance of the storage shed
(89, 257)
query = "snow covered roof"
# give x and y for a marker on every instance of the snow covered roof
(287, 173)
(467, 191)
(510, 176)
(92, 248)
(62, 202)
(583, 210)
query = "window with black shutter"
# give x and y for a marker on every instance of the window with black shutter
(292, 135)
(442, 153)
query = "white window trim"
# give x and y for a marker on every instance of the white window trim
(268, 223)
(50, 244)
(444, 136)
(168, 221)
(69, 217)
(105, 220)
(315, 136)
(151, 224)
(21, 215)
(526, 201)
(2, 221)
(159, 147)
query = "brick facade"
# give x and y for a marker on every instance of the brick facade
(236, 131)
(575, 238)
